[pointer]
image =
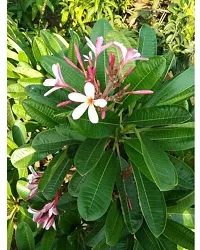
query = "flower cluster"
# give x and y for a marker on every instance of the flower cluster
(94, 97)
(46, 216)
(33, 180)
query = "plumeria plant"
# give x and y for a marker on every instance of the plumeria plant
(108, 159)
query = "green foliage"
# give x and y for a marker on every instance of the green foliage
(126, 182)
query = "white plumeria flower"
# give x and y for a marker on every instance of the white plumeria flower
(88, 102)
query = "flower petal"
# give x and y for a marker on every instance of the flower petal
(77, 97)
(92, 114)
(98, 44)
(50, 82)
(52, 90)
(89, 90)
(122, 48)
(90, 44)
(55, 69)
(79, 111)
(100, 103)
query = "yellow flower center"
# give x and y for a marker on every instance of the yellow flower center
(90, 100)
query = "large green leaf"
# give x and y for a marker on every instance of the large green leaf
(25, 156)
(103, 128)
(96, 193)
(24, 237)
(128, 196)
(71, 51)
(48, 239)
(51, 43)
(10, 116)
(160, 167)
(39, 49)
(19, 111)
(41, 113)
(169, 57)
(114, 224)
(76, 184)
(157, 116)
(147, 41)
(24, 216)
(88, 155)
(68, 221)
(173, 138)
(182, 204)
(66, 131)
(72, 77)
(185, 173)
(166, 243)
(50, 140)
(185, 218)
(96, 235)
(54, 175)
(10, 231)
(179, 88)
(144, 76)
(146, 239)
(67, 202)
(152, 203)
(19, 133)
(179, 234)
(101, 28)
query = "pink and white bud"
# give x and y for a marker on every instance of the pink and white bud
(62, 104)
(78, 56)
(139, 92)
(111, 61)
(33, 181)
(46, 216)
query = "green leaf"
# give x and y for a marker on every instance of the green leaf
(25, 156)
(173, 138)
(166, 243)
(88, 154)
(54, 175)
(137, 246)
(66, 131)
(51, 43)
(24, 216)
(157, 116)
(182, 204)
(67, 202)
(179, 88)
(28, 72)
(152, 203)
(144, 76)
(146, 239)
(96, 235)
(10, 116)
(71, 76)
(147, 41)
(15, 90)
(71, 51)
(19, 133)
(76, 184)
(39, 49)
(101, 28)
(10, 231)
(128, 196)
(96, 193)
(41, 113)
(51, 141)
(185, 218)
(24, 237)
(114, 224)
(24, 82)
(10, 146)
(19, 111)
(179, 234)
(103, 128)
(48, 239)
(68, 221)
(22, 189)
(160, 167)
(185, 173)
(169, 57)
